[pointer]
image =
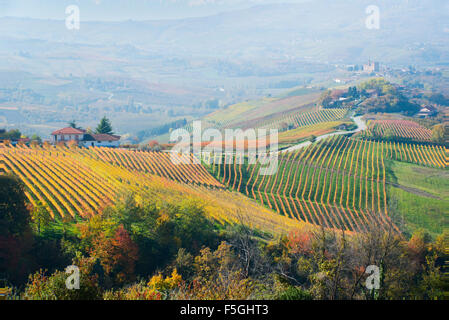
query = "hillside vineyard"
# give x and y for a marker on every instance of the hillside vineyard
(79, 181)
(297, 120)
(400, 129)
(339, 183)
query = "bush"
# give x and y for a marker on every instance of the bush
(53, 287)
(294, 293)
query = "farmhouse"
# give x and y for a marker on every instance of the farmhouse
(100, 140)
(427, 111)
(84, 138)
(68, 134)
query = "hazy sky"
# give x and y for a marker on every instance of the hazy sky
(125, 9)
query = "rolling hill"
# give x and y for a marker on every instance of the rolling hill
(340, 183)
(77, 183)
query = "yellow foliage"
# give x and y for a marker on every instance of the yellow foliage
(158, 282)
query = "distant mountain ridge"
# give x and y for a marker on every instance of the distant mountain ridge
(411, 32)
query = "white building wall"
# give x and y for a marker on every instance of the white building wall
(110, 144)
(66, 137)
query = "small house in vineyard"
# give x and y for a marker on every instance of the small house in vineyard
(84, 138)
(100, 140)
(427, 111)
(68, 134)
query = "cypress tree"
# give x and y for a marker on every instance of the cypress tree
(104, 126)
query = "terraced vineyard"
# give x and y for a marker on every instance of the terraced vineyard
(426, 155)
(297, 120)
(400, 129)
(302, 133)
(291, 120)
(236, 115)
(338, 183)
(294, 126)
(157, 163)
(204, 125)
(80, 181)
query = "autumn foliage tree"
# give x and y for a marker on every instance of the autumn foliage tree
(439, 134)
(15, 232)
(113, 247)
(45, 286)
(218, 277)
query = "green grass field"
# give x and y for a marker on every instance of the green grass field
(419, 196)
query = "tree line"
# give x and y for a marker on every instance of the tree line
(137, 249)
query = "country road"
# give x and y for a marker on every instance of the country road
(361, 125)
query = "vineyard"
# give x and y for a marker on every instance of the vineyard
(80, 181)
(157, 163)
(425, 155)
(297, 120)
(282, 122)
(301, 133)
(399, 129)
(339, 183)
(236, 115)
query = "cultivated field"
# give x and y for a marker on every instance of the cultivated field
(239, 114)
(338, 183)
(78, 183)
(399, 129)
(302, 133)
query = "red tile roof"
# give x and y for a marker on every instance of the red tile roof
(105, 137)
(69, 130)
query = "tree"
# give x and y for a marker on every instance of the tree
(15, 233)
(378, 84)
(36, 138)
(13, 134)
(104, 126)
(117, 255)
(218, 277)
(72, 124)
(53, 287)
(40, 216)
(438, 98)
(14, 215)
(325, 99)
(438, 133)
(352, 92)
